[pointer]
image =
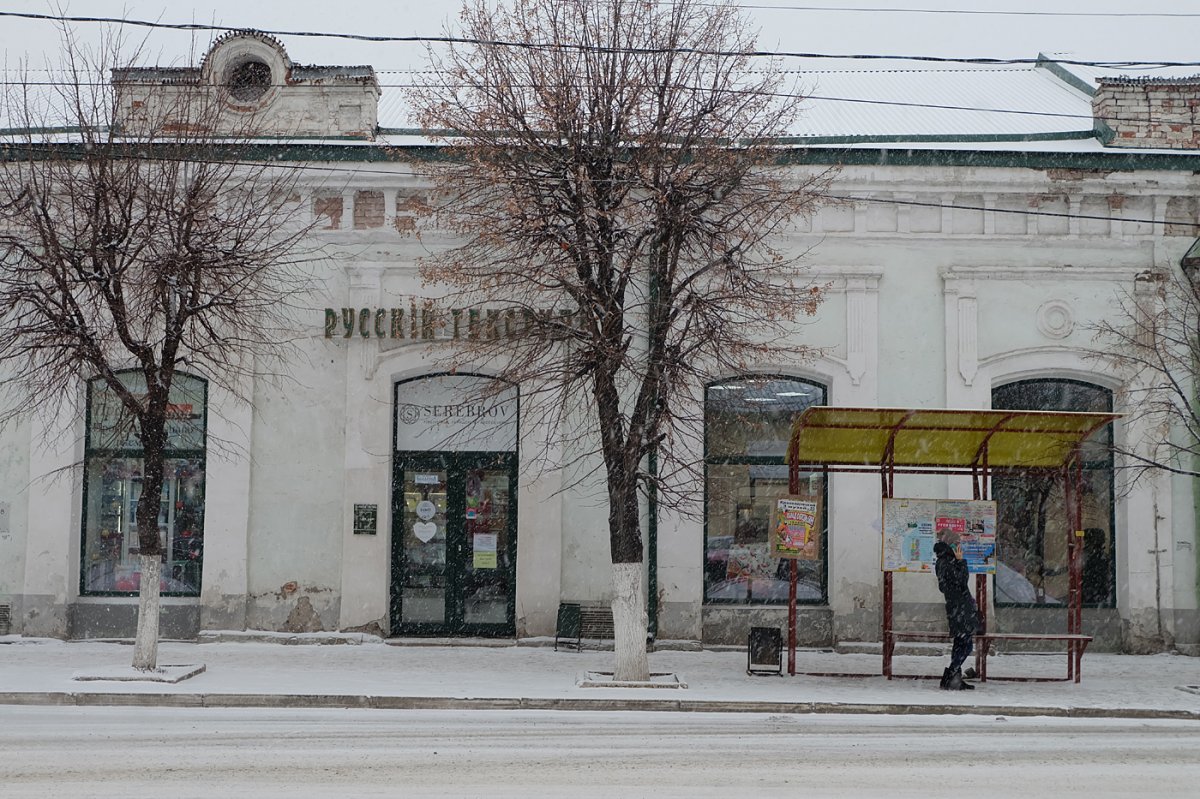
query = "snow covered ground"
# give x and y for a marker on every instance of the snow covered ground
(1145, 683)
(966, 743)
(269, 754)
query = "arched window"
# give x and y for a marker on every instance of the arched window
(113, 489)
(747, 422)
(1031, 526)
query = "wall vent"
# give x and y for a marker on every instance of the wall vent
(5, 619)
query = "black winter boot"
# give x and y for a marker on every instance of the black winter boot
(945, 683)
(957, 683)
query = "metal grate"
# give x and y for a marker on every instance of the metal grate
(5, 619)
(596, 623)
(575, 623)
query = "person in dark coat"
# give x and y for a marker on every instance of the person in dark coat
(1097, 580)
(961, 614)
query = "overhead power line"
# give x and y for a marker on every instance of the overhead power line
(1016, 211)
(1140, 119)
(197, 26)
(802, 96)
(973, 11)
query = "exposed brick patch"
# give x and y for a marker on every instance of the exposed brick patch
(368, 209)
(330, 207)
(1150, 112)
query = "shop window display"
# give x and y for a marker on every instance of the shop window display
(1031, 533)
(747, 426)
(113, 490)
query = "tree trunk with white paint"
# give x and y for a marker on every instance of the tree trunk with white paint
(145, 644)
(629, 622)
(166, 265)
(666, 252)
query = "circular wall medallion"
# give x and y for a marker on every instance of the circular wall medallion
(1055, 319)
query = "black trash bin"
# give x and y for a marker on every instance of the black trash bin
(764, 651)
(569, 630)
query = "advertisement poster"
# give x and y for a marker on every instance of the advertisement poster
(912, 526)
(795, 533)
(485, 551)
(747, 561)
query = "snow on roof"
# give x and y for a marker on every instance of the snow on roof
(313, 72)
(1001, 101)
(891, 102)
(1091, 75)
(1043, 107)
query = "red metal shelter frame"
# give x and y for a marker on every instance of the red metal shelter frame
(1032, 441)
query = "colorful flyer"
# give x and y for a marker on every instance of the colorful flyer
(796, 533)
(908, 534)
(484, 545)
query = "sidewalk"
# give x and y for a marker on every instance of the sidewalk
(368, 673)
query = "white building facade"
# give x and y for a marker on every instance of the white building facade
(966, 263)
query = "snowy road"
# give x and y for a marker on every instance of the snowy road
(159, 752)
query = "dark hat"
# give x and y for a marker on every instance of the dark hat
(943, 550)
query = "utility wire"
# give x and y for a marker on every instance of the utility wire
(973, 12)
(1017, 211)
(1142, 118)
(196, 26)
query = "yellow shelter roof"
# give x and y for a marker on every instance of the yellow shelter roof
(939, 438)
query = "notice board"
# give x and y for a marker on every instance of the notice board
(912, 526)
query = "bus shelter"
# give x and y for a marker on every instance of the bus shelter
(891, 441)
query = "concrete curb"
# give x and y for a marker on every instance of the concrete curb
(310, 701)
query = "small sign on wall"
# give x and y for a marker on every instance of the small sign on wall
(365, 519)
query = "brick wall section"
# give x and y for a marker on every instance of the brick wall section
(1150, 112)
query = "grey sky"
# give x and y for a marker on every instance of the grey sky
(1134, 38)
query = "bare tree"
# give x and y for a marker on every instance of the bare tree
(1152, 341)
(138, 246)
(615, 179)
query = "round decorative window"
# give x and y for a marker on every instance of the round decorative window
(249, 80)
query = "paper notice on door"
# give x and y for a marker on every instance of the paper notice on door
(427, 479)
(485, 551)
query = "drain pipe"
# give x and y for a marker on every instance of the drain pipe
(652, 546)
(1158, 551)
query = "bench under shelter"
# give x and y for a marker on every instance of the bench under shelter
(891, 441)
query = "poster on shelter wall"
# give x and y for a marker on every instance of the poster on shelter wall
(796, 533)
(912, 526)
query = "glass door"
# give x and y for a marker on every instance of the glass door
(454, 548)
(422, 568)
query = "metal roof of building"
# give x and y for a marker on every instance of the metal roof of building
(1001, 101)
(1047, 105)
(894, 102)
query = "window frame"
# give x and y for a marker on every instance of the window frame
(1106, 463)
(762, 460)
(92, 454)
